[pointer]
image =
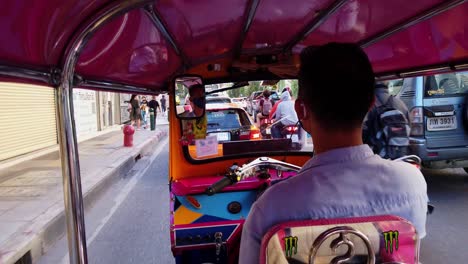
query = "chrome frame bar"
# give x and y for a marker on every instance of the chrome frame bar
(66, 124)
(124, 88)
(159, 24)
(433, 11)
(250, 11)
(434, 69)
(314, 24)
(30, 74)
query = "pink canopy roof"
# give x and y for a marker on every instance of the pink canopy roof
(146, 50)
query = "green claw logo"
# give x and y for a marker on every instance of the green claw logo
(290, 245)
(391, 238)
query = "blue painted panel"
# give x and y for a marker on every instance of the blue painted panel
(217, 204)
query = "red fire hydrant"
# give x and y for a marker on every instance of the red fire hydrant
(128, 135)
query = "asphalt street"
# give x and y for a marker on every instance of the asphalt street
(130, 224)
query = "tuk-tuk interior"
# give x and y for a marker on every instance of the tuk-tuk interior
(141, 46)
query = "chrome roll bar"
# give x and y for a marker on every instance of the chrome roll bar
(342, 231)
(73, 197)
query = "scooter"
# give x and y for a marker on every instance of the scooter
(293, 132)
(265, 127)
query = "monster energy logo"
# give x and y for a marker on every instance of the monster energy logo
(290, 243)
(391, 238)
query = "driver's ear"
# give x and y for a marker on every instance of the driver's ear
(301, 109)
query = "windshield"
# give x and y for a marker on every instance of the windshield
(264, 124)
(444, 85)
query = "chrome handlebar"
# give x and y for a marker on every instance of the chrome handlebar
(250, 169)
(236, 173)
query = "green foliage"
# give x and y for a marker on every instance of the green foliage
(256, 86)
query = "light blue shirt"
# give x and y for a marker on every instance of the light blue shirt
(345, 182)
(286, 110)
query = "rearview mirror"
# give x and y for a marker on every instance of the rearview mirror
(189, 97)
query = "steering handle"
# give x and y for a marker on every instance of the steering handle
(219, 185)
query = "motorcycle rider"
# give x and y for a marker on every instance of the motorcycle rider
(285, 113)
(264, 107)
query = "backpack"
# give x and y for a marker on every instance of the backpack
(389, 131)
(267, 105)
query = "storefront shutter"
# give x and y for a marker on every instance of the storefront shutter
(27, 119)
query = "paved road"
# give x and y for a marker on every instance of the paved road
(130, 224)
(447, 227)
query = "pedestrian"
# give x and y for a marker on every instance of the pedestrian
(144, 108)
(386, 128)
(154, 105)
(265, 105)
(135, 113)
(163, 105)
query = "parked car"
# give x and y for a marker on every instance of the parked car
(218, 99)
(438, 117)
(241, 101)
(229, 122)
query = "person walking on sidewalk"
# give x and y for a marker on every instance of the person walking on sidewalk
(135, 113)
(144, 108)
(153, 104)
(163, 105)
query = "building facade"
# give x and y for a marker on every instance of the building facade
(28, 119)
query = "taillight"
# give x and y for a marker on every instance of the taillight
(416, 121)
(291, 128)
(255, 133)
(244, 135)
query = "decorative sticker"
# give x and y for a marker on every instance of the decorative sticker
(290, 245)
(207, 147)
(193, 129)
(391, 240)
(193, 201)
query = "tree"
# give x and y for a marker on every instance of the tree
(294, 88)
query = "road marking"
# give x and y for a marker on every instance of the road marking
(120, 198)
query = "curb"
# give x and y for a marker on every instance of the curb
(51, 225)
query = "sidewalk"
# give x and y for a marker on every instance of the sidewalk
(31, 195)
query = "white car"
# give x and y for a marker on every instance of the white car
(241, 101)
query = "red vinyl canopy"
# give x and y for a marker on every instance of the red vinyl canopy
(149, 45)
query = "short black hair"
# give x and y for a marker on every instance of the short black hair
(336, 81)
(194, 87)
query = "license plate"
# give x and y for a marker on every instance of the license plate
(295, 138)
(441, 123)
(223, 136)
(268, 131)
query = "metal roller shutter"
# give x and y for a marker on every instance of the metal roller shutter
(27, 118)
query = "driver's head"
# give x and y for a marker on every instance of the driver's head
(197, 98)
(336, 85)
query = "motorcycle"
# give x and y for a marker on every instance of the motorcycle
(292, 132)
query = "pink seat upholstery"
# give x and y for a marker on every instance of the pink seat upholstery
(389, 239)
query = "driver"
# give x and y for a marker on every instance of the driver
(344, 178)
(197, 101)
